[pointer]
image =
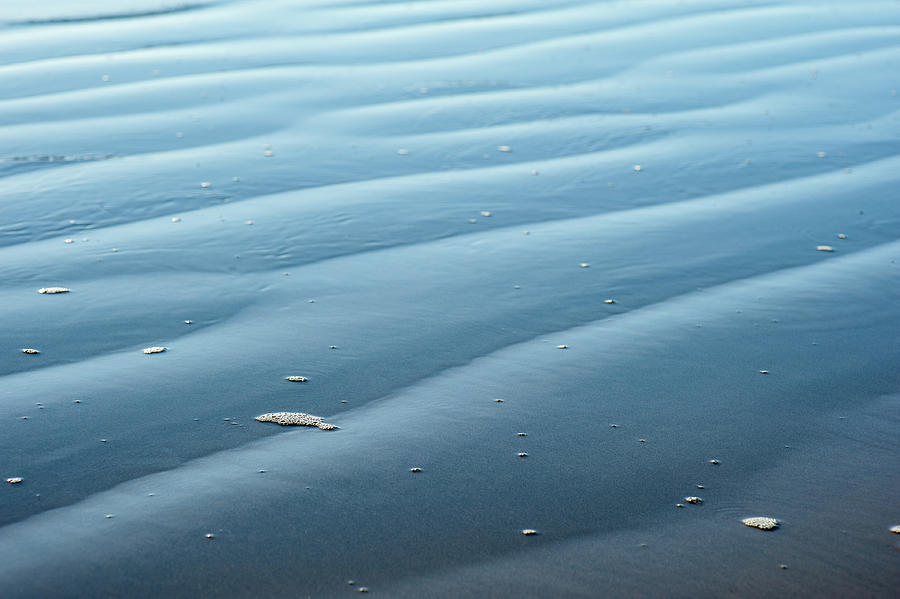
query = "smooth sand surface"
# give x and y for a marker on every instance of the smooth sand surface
(442, 194)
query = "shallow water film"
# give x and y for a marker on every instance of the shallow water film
(530, 299)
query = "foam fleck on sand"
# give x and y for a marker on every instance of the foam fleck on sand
(761, 522)
(155, 350)
(295, 419)
(53, 290)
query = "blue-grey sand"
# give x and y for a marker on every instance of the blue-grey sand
(382, 222)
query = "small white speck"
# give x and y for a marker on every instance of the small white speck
(268, 153)
(529, 532)
(188, 322)
(296, 379)
(68, 240)
(637, 168)
(30, 350)
(205, 184)
(108, 516)
(415, 469)
(584, 265)
(155, 350)
(562, 347)
(504, 149)
(176, 219)
(522, 454)
(486, 214)
(52, 290)
(105, 78)
(609, 301)
(249, 222)
(820, 154)
(403, 152)
(841, 236)
(824, 248)
(210, 535)
(14, 480)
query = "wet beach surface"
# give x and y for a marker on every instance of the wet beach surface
(422, 208)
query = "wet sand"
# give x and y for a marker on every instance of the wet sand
(442, 196)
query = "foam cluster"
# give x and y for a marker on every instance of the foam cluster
(761, 522)
(295, 419)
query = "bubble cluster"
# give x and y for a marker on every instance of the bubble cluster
(295, 419)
